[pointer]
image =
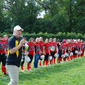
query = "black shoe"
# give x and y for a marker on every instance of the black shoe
(6, 74)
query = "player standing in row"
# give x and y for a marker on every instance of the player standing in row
(47, 53)
(37, 53)
(51, 50)
(3, 52)
(55, 51)
(31, 52)
(42, 49)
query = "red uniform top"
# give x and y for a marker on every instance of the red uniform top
(72, 44)
(64, 47)
(3, 46)
(51, 45)
(6, 51)
(37, 48)
(79, 44)
(31, 48)
(67, 45)
(47, 48)
(55, 45)
(42, 46)
(82, 47)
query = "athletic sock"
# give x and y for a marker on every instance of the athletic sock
(21, 67)
(51, 61)
(39, 63)
(2, 68)
(44, 62)
(68, 58)
(28, 66)
(54, 60)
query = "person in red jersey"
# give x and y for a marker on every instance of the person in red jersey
(84, 46)
(79, 47)
(42, 43)
(47, 52)
(5, 37)
(64, 49)
(31, 52)
(71, 49)
(75, 48)
(42, 49)
(55, 45)
(59, 59)
(52, 50)
(82, 49)
(3, 51)
(37, 53)
(67, 51)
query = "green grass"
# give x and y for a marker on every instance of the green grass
(68, 73)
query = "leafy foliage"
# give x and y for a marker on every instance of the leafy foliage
(60, 15)
(59, 35)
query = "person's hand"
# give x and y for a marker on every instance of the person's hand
(22, 41)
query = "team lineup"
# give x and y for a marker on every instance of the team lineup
(15, 51)
(51, 49)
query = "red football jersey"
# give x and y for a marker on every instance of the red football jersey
(42, 46)
(37, 49)
(55, 45)
(51, 45)
(64, 47)
(3, 46)
(47, 48)
(31, 48)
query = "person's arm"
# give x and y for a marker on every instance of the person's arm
(13, 50)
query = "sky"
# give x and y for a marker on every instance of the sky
(41, 15)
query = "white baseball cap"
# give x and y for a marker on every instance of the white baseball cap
(17, 27)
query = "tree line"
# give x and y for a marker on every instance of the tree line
(60, 15)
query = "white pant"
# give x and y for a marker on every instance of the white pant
(13, 74)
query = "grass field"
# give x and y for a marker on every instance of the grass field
(68, 73)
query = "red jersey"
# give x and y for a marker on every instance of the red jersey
(47, 48)
(51, 45)
(64, 47)
(79, 43)
(31, 48)
(72, 45)
(55, 45)
(3, 46)
(82, 47)
(37, 48)
(42, 46)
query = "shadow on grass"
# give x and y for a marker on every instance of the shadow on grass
(45, 71)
